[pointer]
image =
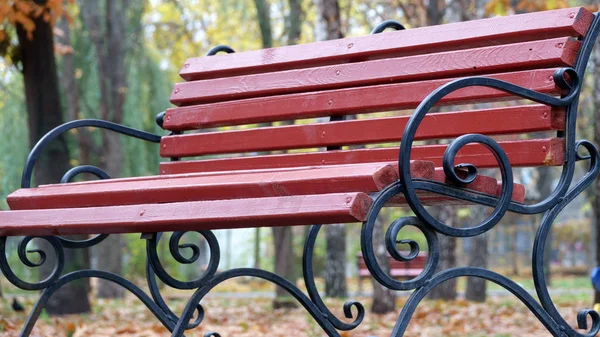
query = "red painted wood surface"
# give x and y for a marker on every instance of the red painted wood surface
(484, 184)
(268, 183)
(365, 178)
(418, 167)
(536, 152)
(410, 268)
(518, 192)
(470, 62)
(500, 30)
(507, 120)
(481, 184)
(345, 101)
(193, 215)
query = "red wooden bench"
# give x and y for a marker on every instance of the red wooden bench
(208, 185)
(403, 270)
(332, 78)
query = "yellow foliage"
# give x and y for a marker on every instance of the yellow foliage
(25, 21)
(497, 7)
(502, 7)
(24, 12)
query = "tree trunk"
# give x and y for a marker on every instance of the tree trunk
(596, 208)
(284, 264)
(328, 27)
(44, 113)
(257, 247)
(71, 91)
(514, 249)
(263, 15)
(110, 55)
(328, 24)
(295, 22)
(435, 12)
(282, 236)
(335, 261)
(384, 299)
(478, 257)
(446, 290)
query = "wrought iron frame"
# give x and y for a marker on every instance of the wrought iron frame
(544, 310)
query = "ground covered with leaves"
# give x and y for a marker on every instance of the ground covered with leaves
(500, 316)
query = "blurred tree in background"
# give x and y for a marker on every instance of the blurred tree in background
(32, 52)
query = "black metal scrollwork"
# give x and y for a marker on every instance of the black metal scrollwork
(566, 190)
(309, 281)
(565, 78)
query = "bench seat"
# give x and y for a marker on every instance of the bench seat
(192, 215)
(214, 200)
(104, 196)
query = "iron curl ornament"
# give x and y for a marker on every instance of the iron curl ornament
(192, 317)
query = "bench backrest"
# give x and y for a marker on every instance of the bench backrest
(378, 73)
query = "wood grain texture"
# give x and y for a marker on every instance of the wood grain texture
(345, 102)
(365, 178)
(493, 31)
(469, 62)
(418, 167)
(537, 152)
(507, 120)
(481, 184)
(195, 215)
(209, 214)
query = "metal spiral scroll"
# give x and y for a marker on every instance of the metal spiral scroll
(544, 310)
(551, 206)
(366, 242)
(312, 303)
(22, 253)
(58, 131)
(409, 187)
(540, 243)
(309, 281)
(155, 268)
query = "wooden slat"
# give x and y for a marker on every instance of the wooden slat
(316, 180)
(538, 152)
(518, 192)
(194, 215)
(400, 272)
(416, 166)
(344, 102)
(500, 30)
(469, 62)
(482, 184)
(397, 268)
(365, 178)
(507, 120)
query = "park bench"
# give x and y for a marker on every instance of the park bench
(404, 270)
(532, 64)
